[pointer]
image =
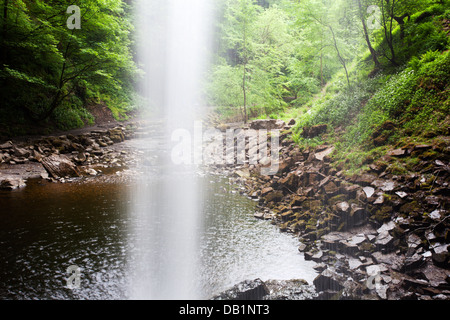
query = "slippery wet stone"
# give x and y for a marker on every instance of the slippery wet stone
(328, 280)
(321, 155)
(246, 290)
(397, 152)
(11, 183)
(369, 191)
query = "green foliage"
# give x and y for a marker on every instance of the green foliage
(44, 64)
(416, 99)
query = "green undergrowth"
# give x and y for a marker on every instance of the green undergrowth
(377, 114)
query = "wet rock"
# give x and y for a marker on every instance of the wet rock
(384, 241)
(321, 155)
(441, 259)
(116, 135)
(330, 188)
(267, 124)
(357, 216)
(386, 227)
(397, 153)
(274, 196)
(314, 131)
(413, 262)
(436, 215)
(369, 191)
(413, 242)
(11, 183)
(246, 290)
(6, 145)
(354, 263)
(329, 280)
(401, 194)
(343, 206)
(21, 152)
(265, 191)
(290, 181)
(296, 289)
(60, 166)
(365, 179)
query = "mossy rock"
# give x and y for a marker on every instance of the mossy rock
(284, 226)
(336, 199)
(312, 205)
(383, 214)
(429, 155)
(367, 246)
(410, 207)
(274, 196)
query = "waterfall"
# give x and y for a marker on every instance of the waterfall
(172, 47)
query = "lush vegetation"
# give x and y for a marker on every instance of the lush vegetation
(376, 72)
(52, 70)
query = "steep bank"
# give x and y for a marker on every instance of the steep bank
(375, 235)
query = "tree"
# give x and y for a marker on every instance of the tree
(240, 15)
(51, 63)
(362, 17)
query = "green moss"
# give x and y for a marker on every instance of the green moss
(383, 214)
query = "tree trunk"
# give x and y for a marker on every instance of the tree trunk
(245, 96)
(366, 35)
(388, 33)
(340, 57)
(4, 56)
(245, 71)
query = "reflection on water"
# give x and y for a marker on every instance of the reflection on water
(47, 228)
(238, 247)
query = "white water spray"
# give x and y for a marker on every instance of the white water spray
(173, 37)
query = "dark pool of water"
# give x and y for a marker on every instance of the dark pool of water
(47, 227)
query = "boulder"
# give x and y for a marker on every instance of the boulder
(6, 145)
(290, 181)
(60, 166)
(328, 280)
(246, 290)
(11, 183)
(397, 153)
(116, 135)
(314, 131)
(266, 191)
(369, 191)
(274, 196)
(330, 188)
(384, 241)
(267, 124)
(413, 262)
(321, 155)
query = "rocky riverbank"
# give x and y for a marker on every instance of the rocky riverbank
(80, 153)
(376, 235)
